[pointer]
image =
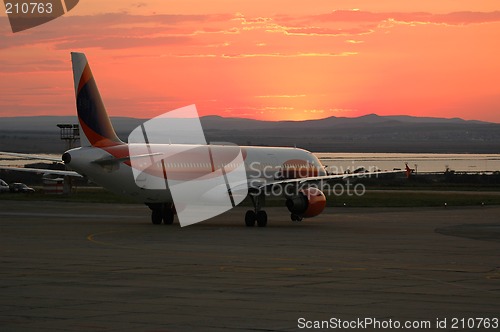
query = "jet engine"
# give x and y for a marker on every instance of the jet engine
(310, 202)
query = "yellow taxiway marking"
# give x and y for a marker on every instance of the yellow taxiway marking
(91, 238)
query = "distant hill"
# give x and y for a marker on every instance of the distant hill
(369, 133)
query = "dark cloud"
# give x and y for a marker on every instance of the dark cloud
(108, 30)
(319, 31)
(37, 65)
(128, 31)
(357, 22)
(139, 4)
(455, 18)
(122, 42)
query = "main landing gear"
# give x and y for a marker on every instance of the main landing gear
(256, 215)
(162, 212)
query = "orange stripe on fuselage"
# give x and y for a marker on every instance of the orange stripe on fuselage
(298, 168)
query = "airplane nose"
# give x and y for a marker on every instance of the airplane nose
(66, 158)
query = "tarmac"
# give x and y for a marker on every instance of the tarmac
(105, 267)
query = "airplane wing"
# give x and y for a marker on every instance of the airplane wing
(36, 170)
(102, 162)
(30, 156)
(42, 171)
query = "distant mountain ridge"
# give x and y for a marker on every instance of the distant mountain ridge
(214, 120)
(368, 133)
(44, 123)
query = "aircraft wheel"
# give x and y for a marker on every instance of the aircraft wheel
(156, 216)
(168, 216)
(250, 218)
(295, 217)
(261, 218)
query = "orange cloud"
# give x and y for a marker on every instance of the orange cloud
(278, 61)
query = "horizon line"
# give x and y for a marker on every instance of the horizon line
(284, 120)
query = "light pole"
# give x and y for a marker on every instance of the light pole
(69, 133)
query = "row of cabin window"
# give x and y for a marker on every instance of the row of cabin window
(195, 165)
(207, 165)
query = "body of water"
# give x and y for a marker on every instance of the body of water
(424, 162)
(384, 161)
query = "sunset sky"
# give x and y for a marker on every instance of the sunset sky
(271, 60)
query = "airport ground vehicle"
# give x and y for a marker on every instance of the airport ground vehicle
(18, 187)
(4, 187)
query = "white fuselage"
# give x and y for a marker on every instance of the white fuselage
(262, 164)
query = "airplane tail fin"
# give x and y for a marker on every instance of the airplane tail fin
(95, 127)
(409, 171)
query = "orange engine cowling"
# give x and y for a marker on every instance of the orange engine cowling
(308, 203)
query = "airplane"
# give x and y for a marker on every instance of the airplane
(106, 160)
